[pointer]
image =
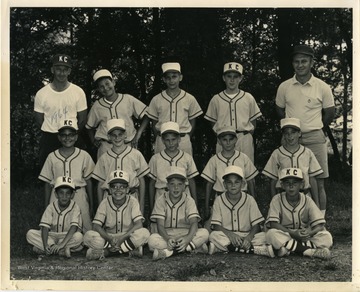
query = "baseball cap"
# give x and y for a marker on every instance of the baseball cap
(115, 124)
(68, 124)
(176, 172)
(64, 181)
(61, 60)
(233, 169)
(120, 176)
(290, 123)
(226, 130)
(171, 67)
(303, 49)
(169, 127)
(233, 67)
(102, 73)
(291, 173)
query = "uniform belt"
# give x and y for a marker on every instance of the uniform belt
(243, 132)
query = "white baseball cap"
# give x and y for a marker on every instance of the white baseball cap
(68, 124)
(177, 172)
(102, 73)
(115, 124)
(291, 173)
(171, 67)
(120, 176)
(290, 123)
(64, 181)
(226, 130)
(169, 127)
(233, 169)
(233, 67)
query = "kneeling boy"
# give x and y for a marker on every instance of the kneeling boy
(177, 220)
(296, 223)
(117, 226)
(236, 219)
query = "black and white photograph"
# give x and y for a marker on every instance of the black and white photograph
(155, 146)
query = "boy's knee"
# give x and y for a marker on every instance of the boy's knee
(91, 237)
(78, 237)
(143, 233)
(203, 233)
(269, 234)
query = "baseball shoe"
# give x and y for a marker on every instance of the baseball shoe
(95, 254)
(265, 250)
(65, 252)
(159, 254)
(283, 251)
(38, 251)
(321, 253)
(213, 249)
(137, 252)
(202, 249)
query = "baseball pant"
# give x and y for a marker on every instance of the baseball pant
(244, 144)
(185, 144)
(81, 199)
(277, 238)
(156, 241)
(34, 238)
(93, 239)
(221, 241)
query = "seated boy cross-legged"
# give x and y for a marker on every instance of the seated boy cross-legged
(296, 224)
(236, 219)
(177, 220)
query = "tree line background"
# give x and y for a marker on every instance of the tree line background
(133, 43)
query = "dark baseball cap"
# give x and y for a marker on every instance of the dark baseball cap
(62, 60)
(303, 49)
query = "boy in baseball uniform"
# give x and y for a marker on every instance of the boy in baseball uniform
(296, 224)
(176, 105)
(121, 157)
(234, 107)
(236, 219)
(177, 220)
(214, 169)
(160, 163)
(292, 154)
(117, 225)
(69, 160)
(60, 225)
(113, 105)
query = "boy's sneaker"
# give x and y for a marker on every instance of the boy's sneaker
(137, 252)
(265, 250)
(38, 251)
(159, 254)
(95, 254)
(283, 251)
(65, 252)
(213, 249)
(321, 253)
(202, 249)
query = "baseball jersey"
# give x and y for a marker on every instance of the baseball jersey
(305, 101)
(160, 164)
(237, 112)
(240, 217)
(61, 220)
(78, 166)
(180, 109)
(303, 215)
(216, 165)
(57, 106)
(124, 107)
(303, 158)
(130, 160)
(175, 215)
(114, 219)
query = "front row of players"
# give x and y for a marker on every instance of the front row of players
(294, 223)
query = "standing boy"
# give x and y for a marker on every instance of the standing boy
(214, 169)
(113, 105)
(311, 101)
(176, 105)
(296, 223)
(292, 154)
(121, 157)
(117, 226)
(235, 107)
(60, 225)
(236, 219)
(177, 220)
(161, 163)
(69, 160)
(56, 101)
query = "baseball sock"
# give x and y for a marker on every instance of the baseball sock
(296, 246)
(191, 246)
(231, 247)
(126, 246)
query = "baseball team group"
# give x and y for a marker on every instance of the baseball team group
(115, 186)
